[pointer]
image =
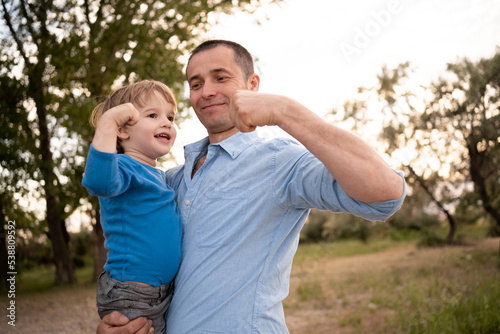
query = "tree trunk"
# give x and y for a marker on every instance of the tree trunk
(55, 217)
(451, 221)
(65, 272)
(55, 214)
(480, 182)
(100, 253)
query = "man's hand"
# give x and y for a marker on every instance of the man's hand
(251, 109)
(117, 323)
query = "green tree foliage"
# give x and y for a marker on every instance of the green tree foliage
(16, 165)
(58, 59)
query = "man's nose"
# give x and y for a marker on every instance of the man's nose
(209, 90)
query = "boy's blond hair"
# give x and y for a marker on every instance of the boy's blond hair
(136, 94)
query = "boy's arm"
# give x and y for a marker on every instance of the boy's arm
(101, 169)
(110, 126)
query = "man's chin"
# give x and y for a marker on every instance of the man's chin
(222, 132)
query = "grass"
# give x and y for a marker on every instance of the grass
(439, 290)
(324, 250)
(43, 278)
(462, 296)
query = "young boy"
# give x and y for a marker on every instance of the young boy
(140, 220)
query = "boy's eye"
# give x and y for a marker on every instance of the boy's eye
(171, 118)
(152, 116)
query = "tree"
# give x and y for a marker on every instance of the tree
(391, 106)
(16, 167)
(469, 103)
(451, 128)
(65, 55)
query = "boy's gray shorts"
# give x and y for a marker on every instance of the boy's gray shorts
(134, 300)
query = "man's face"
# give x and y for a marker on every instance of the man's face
(213, 78)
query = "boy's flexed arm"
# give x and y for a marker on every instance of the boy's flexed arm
(101, 155)
(110, 126)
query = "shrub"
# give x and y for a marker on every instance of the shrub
(346, 226)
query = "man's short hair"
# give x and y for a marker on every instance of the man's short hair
(241, 55)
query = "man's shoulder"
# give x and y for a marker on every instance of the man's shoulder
(281, 144)
(174, 175)
(174, 170)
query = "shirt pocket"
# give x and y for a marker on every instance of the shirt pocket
(224, 219)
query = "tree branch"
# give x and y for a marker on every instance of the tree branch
(13, 32)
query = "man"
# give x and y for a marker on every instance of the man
(243, 200)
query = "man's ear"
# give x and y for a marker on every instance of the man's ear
(122, 133)
(254, 82)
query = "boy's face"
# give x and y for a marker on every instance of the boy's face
(153, 136)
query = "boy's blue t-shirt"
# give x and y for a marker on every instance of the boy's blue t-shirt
(139, 218)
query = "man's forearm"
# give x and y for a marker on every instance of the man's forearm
(359, 169)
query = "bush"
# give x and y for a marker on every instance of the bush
(80, 246)
(328, 226)
(431, 239)
(493, 230)
(346, 226)
(313, 229)
(33, 251)
(418, 222)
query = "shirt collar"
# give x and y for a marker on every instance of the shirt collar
(233, 145)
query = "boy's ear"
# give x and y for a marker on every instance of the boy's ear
(122, 133)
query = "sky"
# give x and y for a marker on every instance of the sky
(319, 52)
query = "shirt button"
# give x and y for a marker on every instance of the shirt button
(220, 153)
(187, 202)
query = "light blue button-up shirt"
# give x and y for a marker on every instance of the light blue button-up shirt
(242, 213)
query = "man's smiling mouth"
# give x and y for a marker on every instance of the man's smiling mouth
(211, 106)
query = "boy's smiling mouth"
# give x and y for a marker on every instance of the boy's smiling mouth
(163, 135)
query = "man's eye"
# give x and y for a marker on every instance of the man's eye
(195, 86)
(221, 78)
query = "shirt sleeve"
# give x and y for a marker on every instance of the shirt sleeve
(302, 181)
(103, 177)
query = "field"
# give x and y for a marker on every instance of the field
(345, 287)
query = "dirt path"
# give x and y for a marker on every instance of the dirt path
(73, 310)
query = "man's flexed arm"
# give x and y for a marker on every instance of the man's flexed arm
(361, 172)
